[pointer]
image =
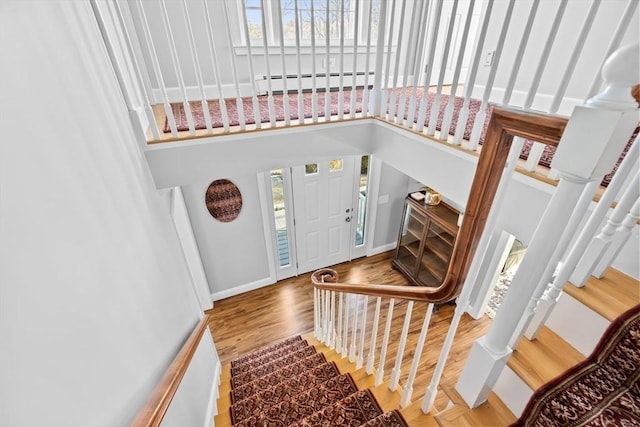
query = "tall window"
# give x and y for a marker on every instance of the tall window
(325, 15)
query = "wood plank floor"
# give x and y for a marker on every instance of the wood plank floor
(255, 319)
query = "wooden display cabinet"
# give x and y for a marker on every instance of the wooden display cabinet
(425, 242)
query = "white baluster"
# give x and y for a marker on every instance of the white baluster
(327, 65)
(405, 400)
(374, 335)
(433, 38)
(332, 320)
(341, 66)
(535, 154)
(234, 68)
(285, 89)
(316, 314)
(379, 88)
(314, 72)
(217, 75)
(405, 77)
(575, 55)
(395, 373)
(471, 77)
(618, 240)
(299, 63)
(384, 80)
(599, 245)
(394, 87)
(354, 331)
(385, 344)
(600, 126)
(267, 65)
(363, 332)
(339, 329)
(327, 325)
(173, 52)
(345, 338)
(531, 319)
(520, 54)
(417, 71)
(171, 120)
(435, 107)
(448, 112)
(356, 29)
(196, 66)
(546, 50)
(478, 123)
(365, 89)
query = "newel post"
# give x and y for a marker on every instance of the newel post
(592, 141)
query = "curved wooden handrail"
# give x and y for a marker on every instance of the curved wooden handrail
(505, 123)
(152, 413)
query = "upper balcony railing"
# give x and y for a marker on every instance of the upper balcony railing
(208, 67)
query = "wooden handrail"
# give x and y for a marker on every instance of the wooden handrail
(152, 413)
(505, 123)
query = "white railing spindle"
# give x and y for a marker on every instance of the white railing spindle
(384, 80)
(196, 66)
(402, 104)
(341, 66)
(433, 38)
(234, 68)
(363, 332)
(314, 93)
(339, 328)
(417, 70)
(619, 239)
(365, 89)
(316, 314)
(299, 64)
(385, 344)
(478, 123)
(405, 400)
(267, 65)
(156, 69)
(435, 107)
(332, 320)
(345, 336)
(354, 92)
(448, 111)
(327, 64)
(374, 335)
(285, 89)
(396, 68)
(354, 332)
(327, 311)
(378, 87)
(216, 68)
(471, 77)
(173, 52)
(395, 373)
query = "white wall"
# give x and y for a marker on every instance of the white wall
(95, 296)
(600, 34)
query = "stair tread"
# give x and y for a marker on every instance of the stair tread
(249, 364)
(266, 350)
(492, 412)
(352, 411)
(609, 296)
(388, 419)
(272, 366)
(414, 416)
(538, 361)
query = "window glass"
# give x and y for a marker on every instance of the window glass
(310, 169)
(335, 165)
(362, 200)
(280, 215)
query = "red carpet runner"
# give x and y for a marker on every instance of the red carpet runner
(601, 391)
(290, 384)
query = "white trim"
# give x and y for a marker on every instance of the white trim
(237, 290)
(513, 391)
(375, 173)
(381, 249)
(212, 407)
(267, 224)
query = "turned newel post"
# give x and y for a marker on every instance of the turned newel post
(590, 145)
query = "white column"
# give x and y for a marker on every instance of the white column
(588, 149)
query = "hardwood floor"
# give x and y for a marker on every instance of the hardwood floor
(246, 322)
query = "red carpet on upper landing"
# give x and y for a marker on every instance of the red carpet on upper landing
(290, 384)
(278, 100)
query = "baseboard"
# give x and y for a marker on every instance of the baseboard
(381, 249)
(212, 408)
(216, 296)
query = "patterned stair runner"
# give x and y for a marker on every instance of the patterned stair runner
(290, 384)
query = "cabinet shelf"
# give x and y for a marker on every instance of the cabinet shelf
(425, 242)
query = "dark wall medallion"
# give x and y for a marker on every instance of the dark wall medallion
(223, 200)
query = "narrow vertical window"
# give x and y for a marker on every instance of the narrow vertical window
(363, 190)
(280, 215)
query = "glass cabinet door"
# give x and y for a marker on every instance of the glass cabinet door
(412, 230)
(436, 255)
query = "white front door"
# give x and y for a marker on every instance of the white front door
(323, 195)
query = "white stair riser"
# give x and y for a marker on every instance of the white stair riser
(513, 391)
